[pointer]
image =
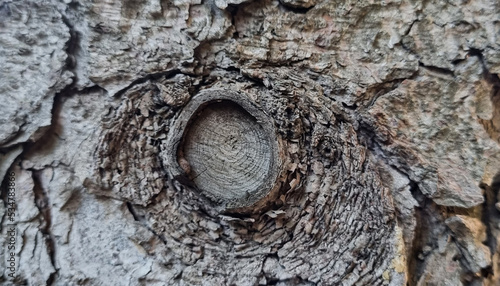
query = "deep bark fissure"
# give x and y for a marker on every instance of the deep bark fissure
(295, 9)
(488, 217)
(437, 69)
(43, 204)
(416, 266)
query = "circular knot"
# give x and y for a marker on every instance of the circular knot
(226, 147)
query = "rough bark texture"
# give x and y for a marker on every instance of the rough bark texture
(361, 137)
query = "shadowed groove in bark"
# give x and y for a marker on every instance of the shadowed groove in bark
(43, 204)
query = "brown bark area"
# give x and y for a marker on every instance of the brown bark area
(251, 142)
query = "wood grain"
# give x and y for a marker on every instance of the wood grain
(228, 151)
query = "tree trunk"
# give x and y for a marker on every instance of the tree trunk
(236, 142)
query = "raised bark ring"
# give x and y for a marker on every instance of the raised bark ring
(226, 147)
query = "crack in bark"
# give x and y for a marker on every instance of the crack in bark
(141, 220)
(153, 76)
(43, 204)
(489, 218)
(295, 9)
(72, 46)
(437, 69)
(415, 264)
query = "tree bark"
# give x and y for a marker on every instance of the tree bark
(237, 142)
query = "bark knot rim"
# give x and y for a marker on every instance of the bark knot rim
(245, 200)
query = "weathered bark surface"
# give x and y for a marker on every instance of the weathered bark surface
(358, 142)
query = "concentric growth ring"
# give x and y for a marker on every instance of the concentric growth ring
(227, 147)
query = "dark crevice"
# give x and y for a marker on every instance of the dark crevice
(490, 217)
(72, 46)
(233, 11)
(416, 266)
(295, 9)
(233, 69)
(406, 45)
(74, 5)
(407, 32)
(487, 272)
(458, 61)
(428, 230)
(488, 214)
(437, 69)
(132, 211)
(8, 149)
(179, 275)
(476, 53)
(350, 107)
(297, 280)
(42, 202)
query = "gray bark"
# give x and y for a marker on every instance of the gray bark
(293, 142)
